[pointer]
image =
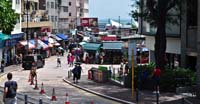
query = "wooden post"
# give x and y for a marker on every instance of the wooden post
(133, 89)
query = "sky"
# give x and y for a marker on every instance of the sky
(104, 9)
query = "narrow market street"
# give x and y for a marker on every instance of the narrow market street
(51, 76)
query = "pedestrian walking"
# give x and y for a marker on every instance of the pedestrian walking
(2, 65)
(58, 61)
(156, 79)
(71, 60)
(75, 72)
(79, 68)
(33, 73)
(68, 58)
(10, 90)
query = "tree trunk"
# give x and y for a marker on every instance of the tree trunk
(160, 43)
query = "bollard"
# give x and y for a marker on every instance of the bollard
(137, 95)
(157, 97)
(40, 101)
(68, 74)
(25, 99)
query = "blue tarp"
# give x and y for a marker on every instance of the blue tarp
(62, 36)
(16, 36)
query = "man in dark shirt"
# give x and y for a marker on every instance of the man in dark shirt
(10, 91)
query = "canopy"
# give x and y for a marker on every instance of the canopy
(4, 36)
(91, 46)
(24, 43)
(82, 43)
(62, 36)
(113, 45)
(40, 44)
(17, 35)
(56, 37)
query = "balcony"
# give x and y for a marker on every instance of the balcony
(37, 24)
(34, 1)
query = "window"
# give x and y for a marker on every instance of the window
(17, 1)
(70, 14)
(47, 4)
(65, 9)
(56, 18)
(52, 4)
(70, 3)
(192, 7)
(52, 18)
(56, 5)
(49, 18)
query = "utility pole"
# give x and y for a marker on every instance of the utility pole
(27, 36)
(59, 8)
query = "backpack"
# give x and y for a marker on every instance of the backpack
(12, 90)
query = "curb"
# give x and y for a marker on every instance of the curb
(99, 94)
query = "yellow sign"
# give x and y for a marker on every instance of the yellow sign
(133, 89)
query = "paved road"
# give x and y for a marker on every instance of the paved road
(51, 76)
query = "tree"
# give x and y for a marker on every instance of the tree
(8, 16)
(157, 13)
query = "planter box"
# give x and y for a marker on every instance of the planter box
(101, 76)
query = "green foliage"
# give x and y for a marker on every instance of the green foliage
(153, 9)
(168, 80)
(102, 68)
(8, 16)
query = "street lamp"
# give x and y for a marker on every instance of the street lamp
(27, 37)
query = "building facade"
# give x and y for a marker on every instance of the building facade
(66, 15)
(35, 22)
(7, 49)
(182, 38)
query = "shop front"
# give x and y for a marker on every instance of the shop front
(113, 52)
(91, 49)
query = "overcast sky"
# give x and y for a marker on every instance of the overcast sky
(104, 9)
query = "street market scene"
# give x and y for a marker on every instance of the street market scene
(76, 52)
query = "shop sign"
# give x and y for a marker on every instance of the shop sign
(89, 22)
(106, 38)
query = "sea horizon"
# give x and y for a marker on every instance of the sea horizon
(123, 21)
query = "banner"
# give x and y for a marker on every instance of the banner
(89, 22)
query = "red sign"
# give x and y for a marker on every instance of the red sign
(89, 22)
(108, 38)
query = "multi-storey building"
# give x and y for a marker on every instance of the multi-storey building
(7, 47)
(182, 38)
(35, 20)
(66, 15)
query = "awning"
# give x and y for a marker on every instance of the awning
(113, 45)
(24, 43)
(82, 43)
(51, 40)
(4, 36)
(63, 36)
(40, 44)
(17, 36)
(56, 37)
(91, 46)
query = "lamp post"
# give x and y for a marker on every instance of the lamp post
(27, 37)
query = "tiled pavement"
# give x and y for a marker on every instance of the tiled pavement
(120, 93)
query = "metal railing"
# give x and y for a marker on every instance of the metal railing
(26, 99)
